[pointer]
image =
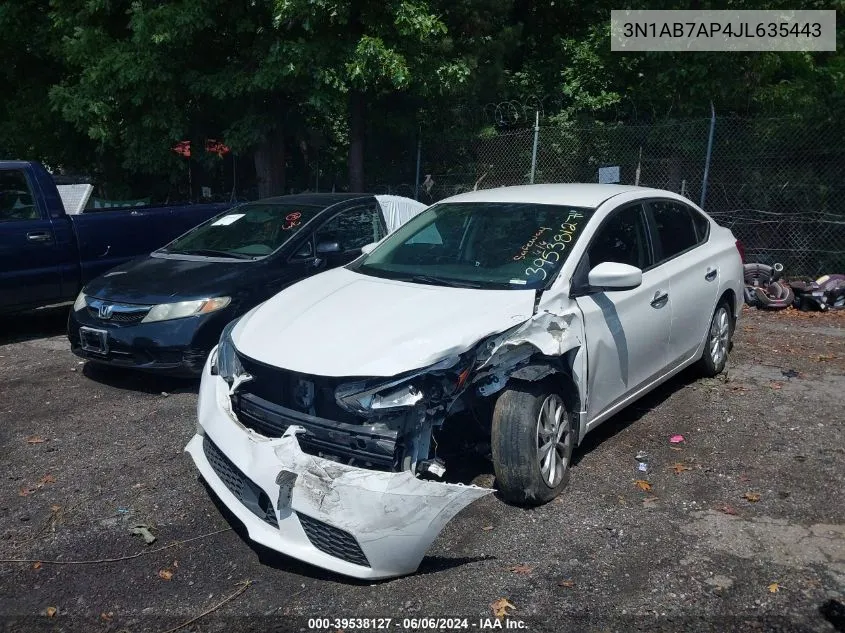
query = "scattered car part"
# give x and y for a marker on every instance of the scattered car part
(763, 288)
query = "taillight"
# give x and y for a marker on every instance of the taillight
(741, 248)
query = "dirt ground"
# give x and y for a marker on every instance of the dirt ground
(743, 528)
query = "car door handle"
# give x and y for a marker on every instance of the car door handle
(39, 236)
(660, 299)
(711, 274)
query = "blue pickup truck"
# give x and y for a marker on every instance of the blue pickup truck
(47, 255)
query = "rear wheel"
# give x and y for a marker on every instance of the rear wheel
(718, 343)
(532, 443)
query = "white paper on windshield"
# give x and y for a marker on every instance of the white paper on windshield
(226, 220)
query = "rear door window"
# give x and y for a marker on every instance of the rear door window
(702, 226)
(675, 228)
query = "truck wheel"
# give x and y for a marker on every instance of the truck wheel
(532, 440)
(718, 342)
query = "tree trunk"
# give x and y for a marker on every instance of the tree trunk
(270, 165)
(356, 141)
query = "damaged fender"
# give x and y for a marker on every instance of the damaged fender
(552, 335)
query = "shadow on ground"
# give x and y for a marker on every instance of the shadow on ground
(134, 380)
(27, 326)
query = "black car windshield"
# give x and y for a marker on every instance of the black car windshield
(248, 231)
(480, 244)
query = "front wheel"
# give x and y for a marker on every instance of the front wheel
(532, 444)
(718, 343)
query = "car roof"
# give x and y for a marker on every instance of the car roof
(588, 195)
(315, 199)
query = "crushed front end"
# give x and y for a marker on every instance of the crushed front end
(325, 470)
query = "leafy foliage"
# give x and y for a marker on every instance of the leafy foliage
(109, 86)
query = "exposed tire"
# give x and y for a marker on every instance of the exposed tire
(718, 343)
(532, 442)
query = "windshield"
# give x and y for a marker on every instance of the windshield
(246, 232)
(480, 244)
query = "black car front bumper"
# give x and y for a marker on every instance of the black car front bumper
(175, 347)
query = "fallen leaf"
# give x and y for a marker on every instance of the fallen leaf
(566, 583)
(165, 574)
(500, 608)
(727, 509)
(753, 497)
(641, 484)
(679, 468)
(47, 479)
(777, 385)
(24, 492)
(51, 612)
(774, 588)
(522, 570)
(487, 528)
(36, 565)
(35, 439)
(106, 617)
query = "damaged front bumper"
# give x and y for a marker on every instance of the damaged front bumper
(354, 521)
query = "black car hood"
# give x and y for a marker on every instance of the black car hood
(151, 280)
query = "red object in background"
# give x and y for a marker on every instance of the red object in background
(183, 148)
(216, 147)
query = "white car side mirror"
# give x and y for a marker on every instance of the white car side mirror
(368, 248)
(615, 276)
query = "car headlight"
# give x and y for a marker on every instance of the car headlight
(226, 364)
(182, 309)
(81, 302)
(368, 397)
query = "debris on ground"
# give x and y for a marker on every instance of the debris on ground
(679, 467)
(522, 570)
(642, 462)
(501, 608)
(143, 531)
(753, 497)
(676, 439)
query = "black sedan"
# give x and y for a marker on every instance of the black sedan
(164, 312)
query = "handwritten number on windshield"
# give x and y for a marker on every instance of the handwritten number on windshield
(292, 220)
(557, 241)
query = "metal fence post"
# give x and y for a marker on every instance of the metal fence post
(536, 139)
(709, 154)
(417, 181)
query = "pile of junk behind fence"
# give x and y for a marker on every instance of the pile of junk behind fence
(765, 288)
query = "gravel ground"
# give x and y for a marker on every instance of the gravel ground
(743, 528)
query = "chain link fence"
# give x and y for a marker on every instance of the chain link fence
(776, 183)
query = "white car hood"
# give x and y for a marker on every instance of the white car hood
(343, 323)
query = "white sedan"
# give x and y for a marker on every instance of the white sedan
(323, 412)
